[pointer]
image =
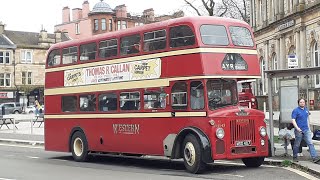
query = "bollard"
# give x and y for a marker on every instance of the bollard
(14, 125)
(31, 120)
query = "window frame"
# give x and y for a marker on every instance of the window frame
(154, 39)
(4, 78)
(130, 99)
(54, 59)
(81, 51)
(178, 106)
(231, 36)
(182, 37)
(116, 47)
(6, 57)
(225, 28)
(103, 24)
(70, 53)
(100, 108)
(26, 78)
(68, 105)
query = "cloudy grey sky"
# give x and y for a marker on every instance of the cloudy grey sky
(30, 15)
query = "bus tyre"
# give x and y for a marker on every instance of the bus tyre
(253, 162)
(192, 154)
(79, 147)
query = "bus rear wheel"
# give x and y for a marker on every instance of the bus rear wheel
(192, 154)
(253, 162)
(79, 147)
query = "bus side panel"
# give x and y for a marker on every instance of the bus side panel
(54, 79)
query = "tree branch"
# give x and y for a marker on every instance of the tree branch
(199, 14)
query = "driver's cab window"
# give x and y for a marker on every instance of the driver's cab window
(179, 96)
(221, 93)
(196, 95)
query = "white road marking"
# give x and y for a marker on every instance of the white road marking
(6, 179)
(33, 157)
(24, 146)
(303, 174)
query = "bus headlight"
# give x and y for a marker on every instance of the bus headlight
(263, 131)
(220, 133)
(262, 142)
(253, 100)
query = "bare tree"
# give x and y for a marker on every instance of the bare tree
(238, 9)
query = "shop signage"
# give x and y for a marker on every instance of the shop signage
(292, 62)
(286, 25)
(6, 95)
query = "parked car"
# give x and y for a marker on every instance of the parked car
(32, 109)
(11, 108)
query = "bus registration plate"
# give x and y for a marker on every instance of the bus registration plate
(243, 143)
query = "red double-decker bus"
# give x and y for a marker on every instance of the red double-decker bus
(165, 89)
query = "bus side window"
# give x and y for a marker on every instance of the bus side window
(108, 102)
(179, 96)
(154, 100)
(181, 36)
(130, 101)
(88, 51)
(69, 103)
(196, 95)
(69, 55)
(87, 102)
(130, 44)
(108, 48)
(54, 58)
(155, 40)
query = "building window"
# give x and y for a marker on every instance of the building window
(26, 78)
(316, 61)
(103, 24)
(124, 25)
(110, 24)
(5, 80)
(26, 56)
(96, 24)
(77, 28)
(118, 25)
(4, 57)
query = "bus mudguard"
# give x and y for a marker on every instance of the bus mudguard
(204, 141)
(75, 129)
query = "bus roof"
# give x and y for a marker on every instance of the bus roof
(196, 21)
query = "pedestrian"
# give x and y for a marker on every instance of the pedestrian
(302, 130)
(38, 107)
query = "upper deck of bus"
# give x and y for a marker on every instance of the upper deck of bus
(193, 22)
(202, 58)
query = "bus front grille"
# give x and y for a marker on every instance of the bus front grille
(242, 131)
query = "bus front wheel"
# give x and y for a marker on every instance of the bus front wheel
(253, 162)
(192, 154)
(79, 147)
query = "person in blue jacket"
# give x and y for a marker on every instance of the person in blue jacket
(302, 130)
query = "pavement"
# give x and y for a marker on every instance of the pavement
(28, 134)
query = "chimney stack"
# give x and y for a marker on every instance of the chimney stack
(1, 27)
(76, 14)
(58, 36)
(65, 15)
(85, 9)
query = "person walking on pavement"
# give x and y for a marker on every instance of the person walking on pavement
(302, 131)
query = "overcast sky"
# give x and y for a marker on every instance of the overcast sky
(30, 15)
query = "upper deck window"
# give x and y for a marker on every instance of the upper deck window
(54, 58)
(181, 36)
(108, 48)
(69, 55)
(88, 51)
(214, 35)
(155, 40)
(130, 44)
(241, 36)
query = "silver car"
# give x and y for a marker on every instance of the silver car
(11, 108)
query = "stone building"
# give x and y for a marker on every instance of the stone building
(103, 18)
(286, 29)
(22, 63)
